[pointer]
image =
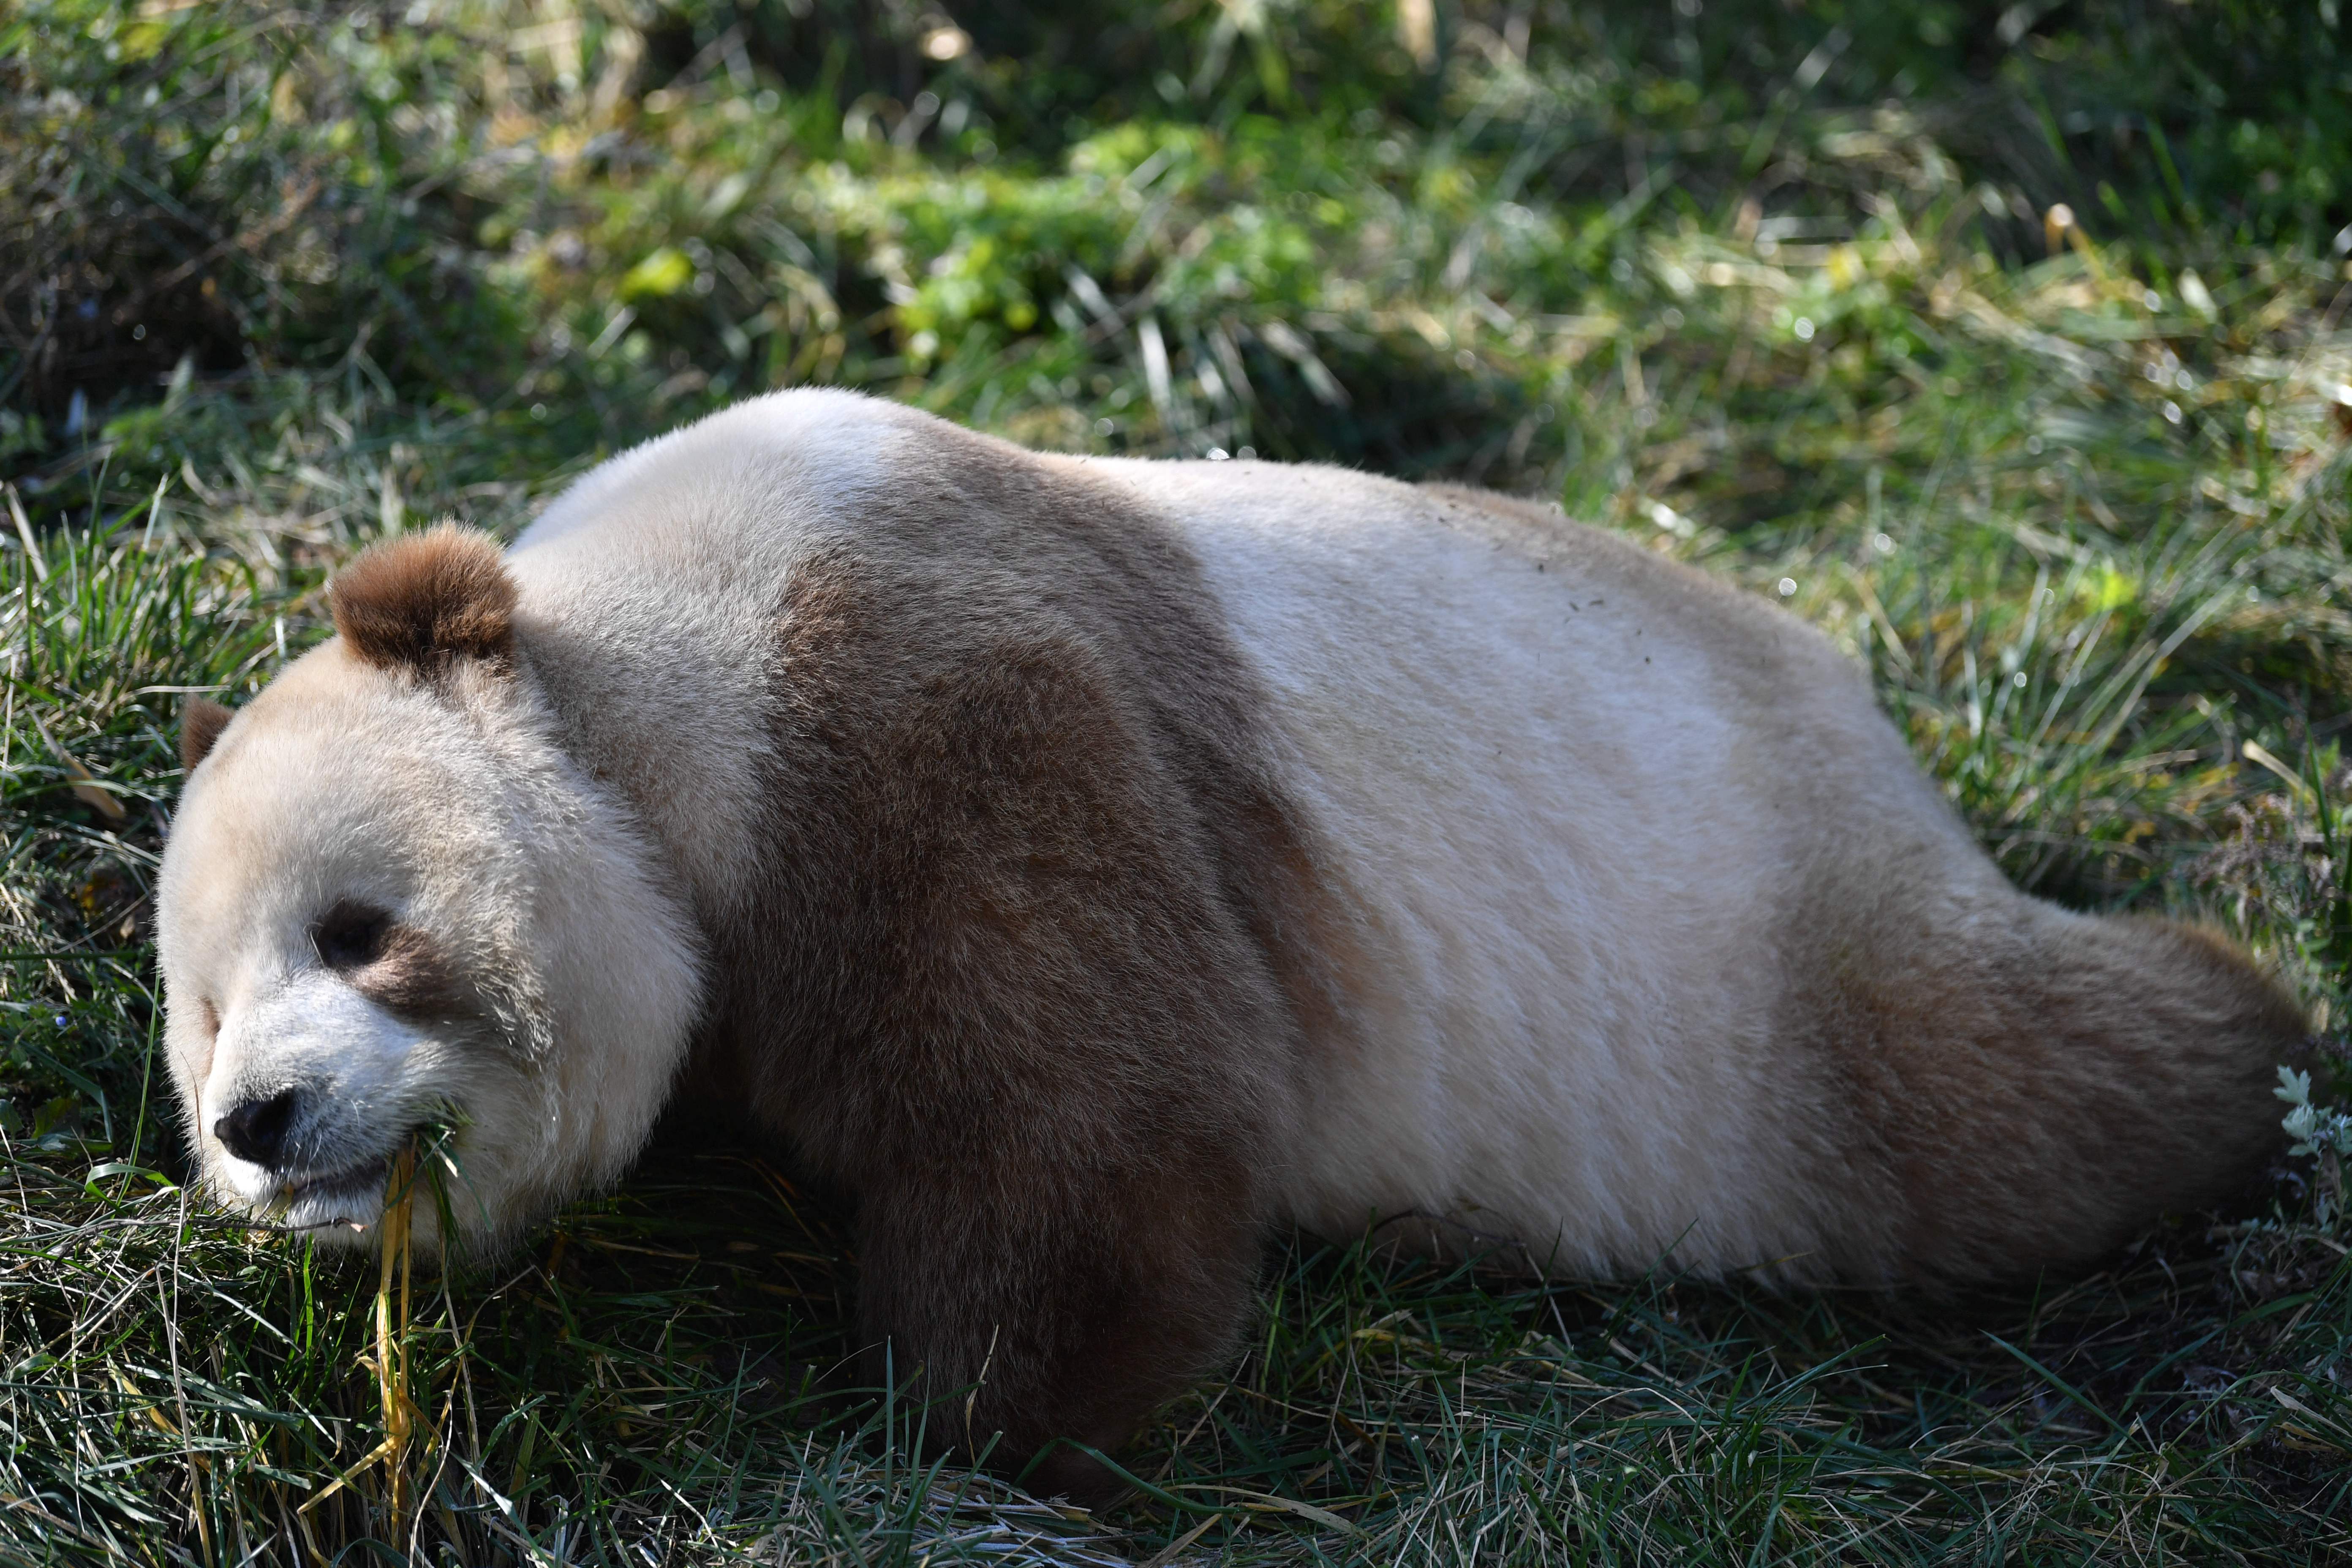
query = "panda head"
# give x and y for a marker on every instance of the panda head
(390, 905)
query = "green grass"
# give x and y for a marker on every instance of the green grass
(1767, 287)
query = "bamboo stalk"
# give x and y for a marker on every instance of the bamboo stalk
(391, 1359)
(391, 1345)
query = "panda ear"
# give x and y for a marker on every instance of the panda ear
(424, 601)
(201, 722)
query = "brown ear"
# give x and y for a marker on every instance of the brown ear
(201, 722)
(424, 600)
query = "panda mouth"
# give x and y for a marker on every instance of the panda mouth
(347, 1195)
(348, 1198)
(342, 1196)
(365, 1178)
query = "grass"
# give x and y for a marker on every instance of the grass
(1780, 289)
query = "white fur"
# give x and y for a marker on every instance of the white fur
(657, 574)
(1554, 806)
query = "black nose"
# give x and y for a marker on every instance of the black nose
(256, 1131)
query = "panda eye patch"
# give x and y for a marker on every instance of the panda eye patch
(351, 935)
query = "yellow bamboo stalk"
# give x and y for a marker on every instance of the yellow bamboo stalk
(391, 1346)
(389, 1362)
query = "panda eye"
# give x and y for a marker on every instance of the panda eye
(351, 935)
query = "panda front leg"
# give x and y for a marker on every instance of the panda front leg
(1038, 1306)
(1023, 1010)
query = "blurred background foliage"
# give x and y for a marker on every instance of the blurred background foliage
(1170, 215)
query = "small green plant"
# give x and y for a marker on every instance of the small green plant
(2322, 1134)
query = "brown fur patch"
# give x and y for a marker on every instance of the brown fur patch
(401, 968)
(201, 723)
(2032, 1093)
(421, 600)
(1024, 970)
(412, 978)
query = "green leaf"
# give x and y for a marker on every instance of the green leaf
(658, 276)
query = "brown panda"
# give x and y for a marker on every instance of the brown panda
(1090, 865)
